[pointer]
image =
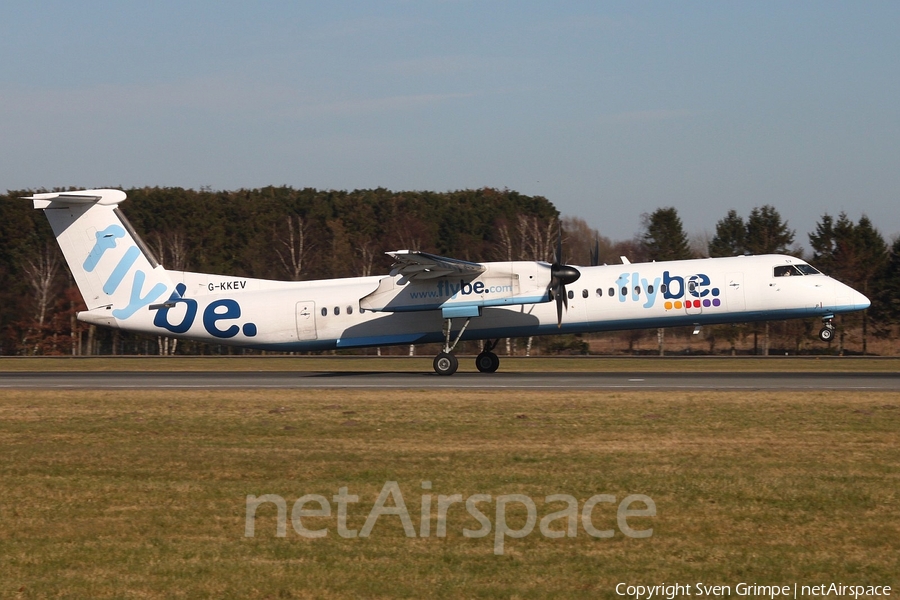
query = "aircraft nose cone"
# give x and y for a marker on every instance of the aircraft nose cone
(861, 302)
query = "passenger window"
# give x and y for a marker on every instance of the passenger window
(584, 293)
(600, 292)
(650, 289)
(324, 312)
(624, 291)
(337, 310)
(612, 292)
(349, 310)
(571, 294)
(637, 290)
(663, 288)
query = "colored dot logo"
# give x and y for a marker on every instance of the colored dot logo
(705, 303)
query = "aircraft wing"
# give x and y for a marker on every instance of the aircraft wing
(413, 265)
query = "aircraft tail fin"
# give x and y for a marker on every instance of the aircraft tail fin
(113, 268)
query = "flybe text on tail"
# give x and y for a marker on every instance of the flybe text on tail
(107, 240)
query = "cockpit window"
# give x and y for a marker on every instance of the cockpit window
(786, 271)
(792, 270)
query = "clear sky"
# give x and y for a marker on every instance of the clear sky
(609, 109)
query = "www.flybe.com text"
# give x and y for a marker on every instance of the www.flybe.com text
(448, 289)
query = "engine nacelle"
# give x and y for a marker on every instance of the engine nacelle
(501, 284)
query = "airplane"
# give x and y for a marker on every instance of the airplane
(425, 298)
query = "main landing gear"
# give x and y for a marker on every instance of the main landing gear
(826, 334)
(487, 361)
(446, 362)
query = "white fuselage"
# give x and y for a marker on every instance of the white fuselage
(327, 314)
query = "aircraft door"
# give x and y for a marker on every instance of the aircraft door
(692, 304)
(306, 321)
(734, 291)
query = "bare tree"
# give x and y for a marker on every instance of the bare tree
(583, 241)
(700, 243)
(171, 249)
(537, 243)
(410, 233)
(365, 259)
(537, 239)
(505, 248)
(294, 247)
(42, 272)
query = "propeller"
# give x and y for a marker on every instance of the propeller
(560, 275)
(595, 253)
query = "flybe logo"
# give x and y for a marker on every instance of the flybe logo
(224, 309)
(678, 292)
(106, 240)
(217, 317)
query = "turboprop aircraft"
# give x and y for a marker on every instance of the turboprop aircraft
(424, 298)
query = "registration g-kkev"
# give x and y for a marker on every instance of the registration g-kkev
(424, 298)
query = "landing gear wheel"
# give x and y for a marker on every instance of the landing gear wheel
(487, 362)
(445, 364)
(826, 334)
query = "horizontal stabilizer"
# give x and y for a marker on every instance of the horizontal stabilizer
(116, 273)
(60, 199)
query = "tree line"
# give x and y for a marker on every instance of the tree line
(303, 234)
(269, 233)
(853, 253)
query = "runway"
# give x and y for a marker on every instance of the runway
(460, 381)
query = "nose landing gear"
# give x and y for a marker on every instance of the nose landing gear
(826, 334)
(445, 364)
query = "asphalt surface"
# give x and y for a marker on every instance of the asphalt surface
(405, 380)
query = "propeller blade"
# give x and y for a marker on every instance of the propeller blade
(560, 275)
(559, 307)
(558, 258)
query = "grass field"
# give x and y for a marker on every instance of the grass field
(142, 494)
(513, 364)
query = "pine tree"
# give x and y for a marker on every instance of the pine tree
(886, 304)
(872, 260)
(730, 238)
(767, 233)
(823, 244)
(856, 255)
(664, 237)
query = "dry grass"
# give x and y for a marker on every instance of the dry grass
(141, 494)
(514, 364)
